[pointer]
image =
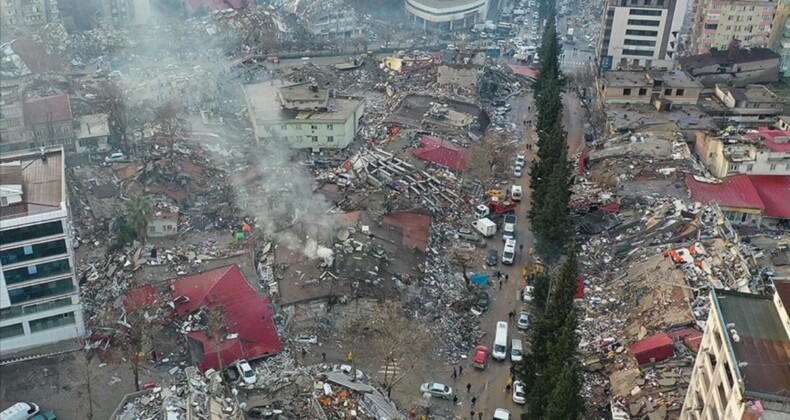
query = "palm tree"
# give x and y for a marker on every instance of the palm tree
(138, 214)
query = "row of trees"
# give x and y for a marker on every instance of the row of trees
(552, 371)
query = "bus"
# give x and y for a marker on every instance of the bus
(500, 341)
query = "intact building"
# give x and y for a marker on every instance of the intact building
(742, 370)
(718, 22)
(734, 66)
(39, 294)
(640, 33)
(765, 151)
(303, 115)
(27, 15)
(447, 14)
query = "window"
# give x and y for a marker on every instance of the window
(626, 92)
(330, 127)
(728, 374)
(734, 167)
(644, 12)
(639, 32)
(330, 139)
(45, 306)
(680, 92)
(31, 232)
(710, 26)
(51, 322)
(41, 291)
(283, 127)
(643, 53)
(314, 139)
(667, 92)
(38, 271)
(772, 167)
(659, 2)
(749, 167)
(313, 127)
(31, 252)
(642, 91)
(12, 331)
(642, 22)
(787, 167)
(642, 42)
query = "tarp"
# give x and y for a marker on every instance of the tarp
(480, 279)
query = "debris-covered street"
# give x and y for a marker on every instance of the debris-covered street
(333, 209)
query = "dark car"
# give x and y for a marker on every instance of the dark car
(492, 258)
(482, 303)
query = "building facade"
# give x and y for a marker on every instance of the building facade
(92, 133)
(303, 115)
(640, 33)
(331, 18)
(446, 14)
(780, 36)
(27, 15)
(718, 22)
(762, 152)
(45, 121)
(734, 66)
(742, 370)
(649, 87)
(39, 293)
(751, 100)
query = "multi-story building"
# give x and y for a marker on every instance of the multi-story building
(734, 66)
(765, 151)
(45, 121)
(750, 101)
(331, 18)
(27, 15)
(659, 88)
(640, 33)
(718, 22)
(742, 370)
(780, 36)
(303, 115)
(447, 14)
(123, 13)
(39, 296)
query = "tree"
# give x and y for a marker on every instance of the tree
(138, 215)
(393, 338)
(166, 118)
(111, 101)
(491, 154)
(464, 259)
(540, 293)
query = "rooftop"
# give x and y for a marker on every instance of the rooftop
(47, 109)
(744, 55)
(733, 191)
(679, 79)
(261, 99)
(624, 78)
(783, 291)
(42, 179)
(307, 96)
(774, 190)
(94, 125)
(775, 140)
(759, 343)
(751, 93)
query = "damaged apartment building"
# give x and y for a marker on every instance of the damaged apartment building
(303, 116)
(330, 19)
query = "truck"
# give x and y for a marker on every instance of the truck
(509, 227)
(485, 226)
(494, 207)
(481, 357)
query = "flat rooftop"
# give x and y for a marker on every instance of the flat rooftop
(751, 93)
(40, 173)
(624, 78)
(680, 79)
(263, 103)
(762, 348)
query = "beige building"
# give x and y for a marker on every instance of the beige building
(649, 87)
(303, 115)
(734, 66)
(462, 75)
(641, 33)
(92, 133)
(742, 370)
(718, 22)
(764, 151)
(751, 100)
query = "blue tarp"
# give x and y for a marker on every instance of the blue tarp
(480, 279)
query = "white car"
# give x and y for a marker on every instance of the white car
(437, 390)
(509, 252)
(519, 396)
(246, 372)
(523, 321)
(115, 157)
(528, 293)
(307, 339)
(501, 414)
(348, 369)
(521, 160)
(517, 171)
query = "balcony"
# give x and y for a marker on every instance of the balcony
(37, 272)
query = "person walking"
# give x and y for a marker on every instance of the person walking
(507, 277)
(323, 356)
(455, 399)
(480, 416)
(509, 385)
(455, 374)
(468, 388)
(472, 414)
(460, 370)
(474, 400)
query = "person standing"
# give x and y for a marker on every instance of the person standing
(474, 400)
(455, 374)
(468, 388)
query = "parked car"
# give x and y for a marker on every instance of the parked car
(307, 339)
(246, 372)
(115, 157)
(523, 321)
(501, 414)
(492, 258)
(517, 171)
(348, 370)
(521, 160)
(437, 390)
(20, 411)
(528, 293)
(481, 304)
(519, 396)
(49, 415)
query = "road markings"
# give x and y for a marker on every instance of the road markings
(389, 370)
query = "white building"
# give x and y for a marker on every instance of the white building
(447, 14)
(742, 370)
(92, 133)
(641, 33)
(302, 115)
(39, 295)
(764, 151)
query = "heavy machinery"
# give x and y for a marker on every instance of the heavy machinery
(494, 208)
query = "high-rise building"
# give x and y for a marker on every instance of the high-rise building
(447, 14)
(27, 15)
(742, 370)
(39, 294)
(640, 33)
(780, 36)
(718, 22)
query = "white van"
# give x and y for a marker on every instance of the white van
(515, 193)
(516, 350)
(19, 411)
(500, 341)
(509, 253)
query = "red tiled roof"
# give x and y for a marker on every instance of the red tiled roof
(772, 135)
(443, 153)
(34, 56)
(415, 227)
(733, 191)
(48, 109)
(523, 70)
(774, 190)
(140, 298)
(246, 315)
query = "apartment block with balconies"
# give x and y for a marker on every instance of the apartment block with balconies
(39, 294)
(718, 22)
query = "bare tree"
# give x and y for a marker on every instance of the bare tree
(88, 375)
(166, 119)
(394, 339)
(491, 154)
(134, 339)
(111, 102)
(464, 259)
